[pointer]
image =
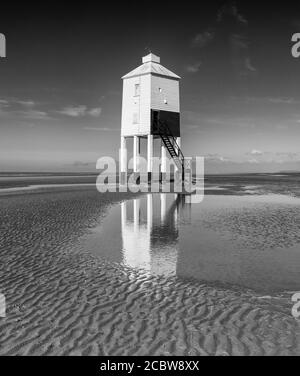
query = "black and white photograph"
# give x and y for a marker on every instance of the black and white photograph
(149, 182)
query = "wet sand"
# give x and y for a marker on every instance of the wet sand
(64, 300)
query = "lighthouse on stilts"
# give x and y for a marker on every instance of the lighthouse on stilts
(151, 111)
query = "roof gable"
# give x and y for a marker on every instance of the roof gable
(151, 66)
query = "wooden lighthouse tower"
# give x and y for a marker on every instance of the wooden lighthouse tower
(151, 110)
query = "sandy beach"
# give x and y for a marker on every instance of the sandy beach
(63, 299)
(149, 182)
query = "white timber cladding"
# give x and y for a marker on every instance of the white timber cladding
(136, 119)
(165, 94)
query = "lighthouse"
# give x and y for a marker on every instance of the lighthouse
(151, 111)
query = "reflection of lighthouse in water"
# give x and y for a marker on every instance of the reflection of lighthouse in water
(150, 236)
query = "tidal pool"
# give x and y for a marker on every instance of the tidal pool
(243, 241)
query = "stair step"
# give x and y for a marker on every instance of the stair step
(173, 149)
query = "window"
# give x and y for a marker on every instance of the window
(137, 90)
(135, 118)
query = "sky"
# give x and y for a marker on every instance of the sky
(61, 88)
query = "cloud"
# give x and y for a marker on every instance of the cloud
(11, 109)
(15, 108)
(3, 105)
(80, 111)
(203, 39)
(231, 10)
(17, 102)
(193, 68)
(240, 55)
(74, 111)
(94, 129)
(274, 157)
(216, 158)
(35, 115)
(95, 112)
(249, 66)
(288, 157)
(283, 101)
(256, 152)
(239, 42)
(26, 103)
(3, 109)
(231, 24)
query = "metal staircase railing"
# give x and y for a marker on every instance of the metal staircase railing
(171, 144)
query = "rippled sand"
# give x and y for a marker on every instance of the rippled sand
(65, 301)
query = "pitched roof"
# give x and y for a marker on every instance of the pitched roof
(151, 65)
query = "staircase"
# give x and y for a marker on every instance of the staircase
(171, 144)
